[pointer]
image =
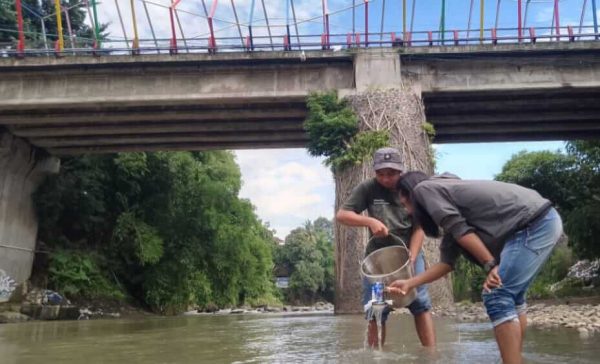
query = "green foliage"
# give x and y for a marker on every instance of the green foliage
(169, 226)
(363, 146)
(32, 24)
(554, 270)
(572, 182)
(333, 132)
(308, 257)
(330, 124)
(467, 280)
(429, 129)
(549, 173)
(136, 238)
(77, 274)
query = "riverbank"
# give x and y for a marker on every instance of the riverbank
(579, 313)
(99, 309)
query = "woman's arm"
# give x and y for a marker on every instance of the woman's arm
(473, 244)
(434, 273)
(416, 243)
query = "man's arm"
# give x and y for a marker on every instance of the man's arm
(351, 218)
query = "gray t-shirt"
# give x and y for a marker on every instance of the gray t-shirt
(491, 209)
(383, 205)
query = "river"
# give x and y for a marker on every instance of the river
(265, 338)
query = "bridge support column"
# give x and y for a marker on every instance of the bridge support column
(22, 169)
(381, 102)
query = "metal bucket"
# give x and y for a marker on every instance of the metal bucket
(387, 265)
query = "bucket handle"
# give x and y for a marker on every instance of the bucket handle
(393, 236)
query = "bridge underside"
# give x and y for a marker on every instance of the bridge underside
(458, 116)
(199, 125)
(241, 101)
(514, 115)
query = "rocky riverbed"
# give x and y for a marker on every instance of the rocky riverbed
(319, 307)
(582, 317)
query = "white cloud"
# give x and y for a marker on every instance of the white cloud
(287, 186)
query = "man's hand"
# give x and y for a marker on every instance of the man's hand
(400, 286)
(493, 280)
(378, 229)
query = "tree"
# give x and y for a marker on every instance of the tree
(169, 228)
(549, 173)
(308, 256)
(33, 10)
(572, 182)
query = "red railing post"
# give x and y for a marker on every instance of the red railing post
(248, 44)
(212, 42)
(173, 42)
(21, 42)
(532, 35)
(571, 35)
(286, 43)
(57, 49)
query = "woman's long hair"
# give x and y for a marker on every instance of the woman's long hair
(406, 184)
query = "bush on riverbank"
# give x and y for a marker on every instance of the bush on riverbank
(167, 230)
(307, 256)
(571, 181)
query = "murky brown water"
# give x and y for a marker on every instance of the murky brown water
(270, 339)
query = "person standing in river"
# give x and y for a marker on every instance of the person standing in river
(387, 216)
(508, 230)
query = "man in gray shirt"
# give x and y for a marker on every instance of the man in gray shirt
(388, 218)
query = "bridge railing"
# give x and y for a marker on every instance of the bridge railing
(459, 37)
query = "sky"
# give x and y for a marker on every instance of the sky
(287, 186)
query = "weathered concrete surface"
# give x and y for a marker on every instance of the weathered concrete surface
(182, 102)
(22, 168)
(69, 105)
(546, 91)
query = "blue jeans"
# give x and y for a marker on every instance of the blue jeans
(421, 304)
(521, 259)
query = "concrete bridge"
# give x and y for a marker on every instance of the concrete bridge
(64, 106)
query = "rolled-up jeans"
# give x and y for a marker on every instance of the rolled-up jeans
(523, 256)
(421, 304)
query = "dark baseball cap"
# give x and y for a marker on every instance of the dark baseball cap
(387, 158)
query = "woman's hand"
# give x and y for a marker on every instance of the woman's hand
(400, 286)
(492, 280)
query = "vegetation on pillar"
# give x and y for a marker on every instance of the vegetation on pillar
(429, 129)
(334, 132)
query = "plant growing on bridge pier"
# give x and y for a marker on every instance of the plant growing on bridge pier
(334, 133)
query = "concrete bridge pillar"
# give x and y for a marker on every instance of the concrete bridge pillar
(22, 169)
(382, 102)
